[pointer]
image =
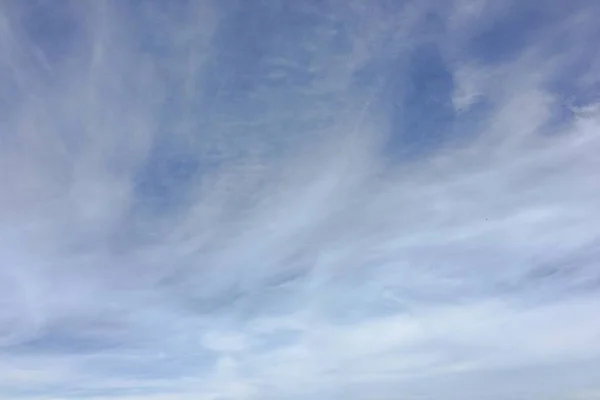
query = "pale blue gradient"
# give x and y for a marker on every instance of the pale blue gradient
(299, 200)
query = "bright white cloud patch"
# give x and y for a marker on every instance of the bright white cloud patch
(298, 200)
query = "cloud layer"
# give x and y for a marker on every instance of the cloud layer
(297, 200)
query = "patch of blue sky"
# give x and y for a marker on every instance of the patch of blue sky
(162, 183)
(422, 114)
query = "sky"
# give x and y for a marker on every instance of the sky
(297, 200)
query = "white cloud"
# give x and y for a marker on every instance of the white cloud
(174, 223)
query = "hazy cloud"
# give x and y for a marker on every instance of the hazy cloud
(243, 200)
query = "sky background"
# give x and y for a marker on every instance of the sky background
(252, 199)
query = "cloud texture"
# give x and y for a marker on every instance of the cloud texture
(299, 200)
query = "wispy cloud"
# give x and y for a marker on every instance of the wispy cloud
(245, 200)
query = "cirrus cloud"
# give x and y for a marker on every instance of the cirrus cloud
(244, 200)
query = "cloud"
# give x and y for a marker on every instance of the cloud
(273, 200)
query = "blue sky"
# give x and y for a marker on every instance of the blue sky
(306, 199)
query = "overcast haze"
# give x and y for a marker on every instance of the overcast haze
(299, 199)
